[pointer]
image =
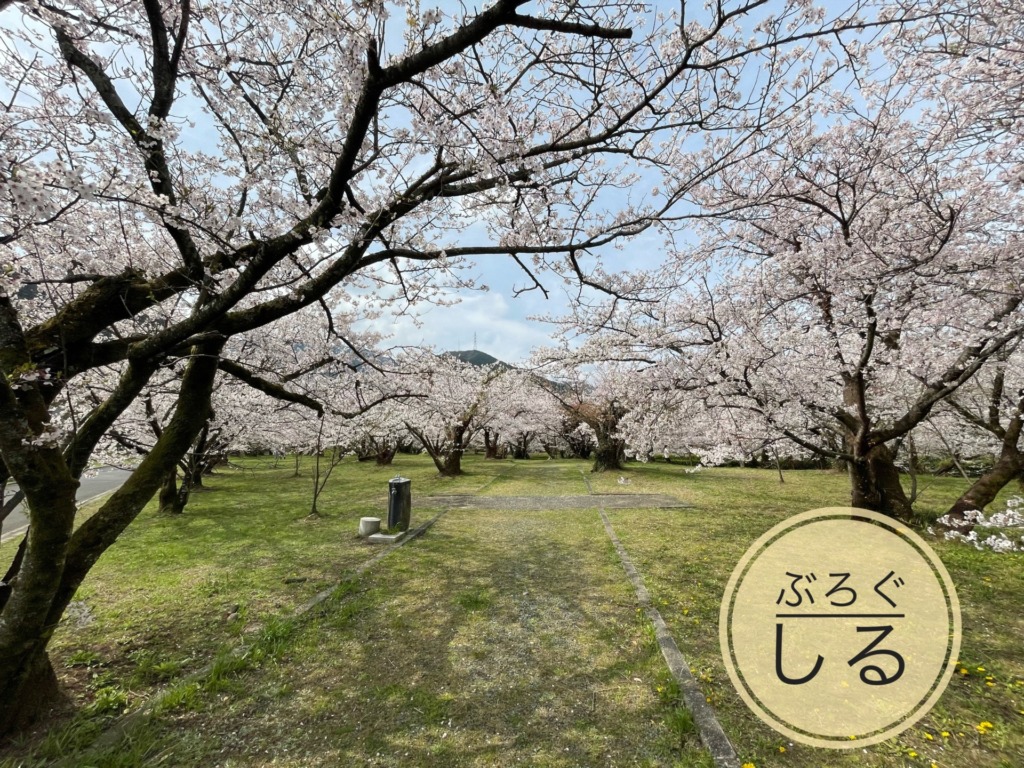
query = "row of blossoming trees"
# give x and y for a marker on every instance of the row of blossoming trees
(308, 399)
(201, 204)
(853, 288)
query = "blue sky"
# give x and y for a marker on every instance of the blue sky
(500, 319)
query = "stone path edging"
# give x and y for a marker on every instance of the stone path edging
(711, 733)
(123, 726)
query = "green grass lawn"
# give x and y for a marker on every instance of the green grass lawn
(687, 556)
(500, 638)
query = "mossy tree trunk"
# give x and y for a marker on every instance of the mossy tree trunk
(445, 451)
(984, 490)
(57, 557)
(386, 455)
(171, 498)
(610, 453)
(875, 484)
(451, 463)
(521, 447)
(490, 443)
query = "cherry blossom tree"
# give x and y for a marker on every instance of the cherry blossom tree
(849, 279)
(521, 409)
(454, 404)
(573, 439)
(591, 393)
(874, 284)
(968, 56)
(380, 433)
(992, 406)
(294, 372)
(173, 176)
(669, 420)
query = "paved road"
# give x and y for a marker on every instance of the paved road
(105, 480)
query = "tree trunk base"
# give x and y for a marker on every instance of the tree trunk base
(875, 485)
(608, 458)
(956, 518)
(41, 695)
(983, 491)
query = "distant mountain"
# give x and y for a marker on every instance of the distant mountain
(476, 357)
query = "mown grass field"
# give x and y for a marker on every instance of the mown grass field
(499, 638)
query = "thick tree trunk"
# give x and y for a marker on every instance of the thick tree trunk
(984, 490)
(169, 497)
(447, 455)
(448, 463)
(42, 694)
(608, 456)
(451, 464)
(521, 448)
(57, 561)
(27, 685)
(875, 484)
(386, 455)
(490, 444)
(611, 451)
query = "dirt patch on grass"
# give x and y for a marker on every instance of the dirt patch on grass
(539, 503)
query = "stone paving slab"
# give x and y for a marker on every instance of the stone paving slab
(538, 503)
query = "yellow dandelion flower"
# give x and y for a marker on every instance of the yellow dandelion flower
(912, 754)
(929, 737)
(782, 750)
(749, 765)
(945, 734)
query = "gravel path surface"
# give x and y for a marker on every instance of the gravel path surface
(539, 503)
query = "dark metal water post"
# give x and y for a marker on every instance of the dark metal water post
(399, 503)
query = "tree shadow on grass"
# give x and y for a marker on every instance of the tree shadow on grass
(493, 640)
